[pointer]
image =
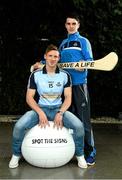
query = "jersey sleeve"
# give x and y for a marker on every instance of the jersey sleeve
(69, 81)
(31, 82)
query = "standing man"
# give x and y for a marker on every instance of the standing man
(74, 49)
(49, 82)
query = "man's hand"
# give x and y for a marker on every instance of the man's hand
(58, 121)
(35, 66)
(43, 121)
(79, 69)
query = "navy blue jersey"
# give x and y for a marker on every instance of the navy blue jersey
(74, 49)
(49, 86)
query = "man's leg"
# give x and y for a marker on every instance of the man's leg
(70, 121)
(27, 121)
(81, 108)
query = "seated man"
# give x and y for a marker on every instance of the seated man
(49, 82)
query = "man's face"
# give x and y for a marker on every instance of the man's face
(72, 25)
(52, 58)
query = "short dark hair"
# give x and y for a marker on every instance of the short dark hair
(74, 16)
(50, 48)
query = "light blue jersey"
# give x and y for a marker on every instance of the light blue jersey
(49, 86)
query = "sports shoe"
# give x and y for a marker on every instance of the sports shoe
(81, 162)
(14, 162)
(90, 160)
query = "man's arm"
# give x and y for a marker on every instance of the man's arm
(31, 101)
(66, 104)
(43, 121)
(67, 99)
